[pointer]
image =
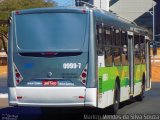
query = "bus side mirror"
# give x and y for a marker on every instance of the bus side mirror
(9, 20)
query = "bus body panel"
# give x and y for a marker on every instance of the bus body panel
(59, 97)
(65, 70)
(49, 95)
(106, 24)
(51, 73)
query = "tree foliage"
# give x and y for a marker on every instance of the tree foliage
(6, 6)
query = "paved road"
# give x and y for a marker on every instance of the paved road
(3, 84)
(150, 105)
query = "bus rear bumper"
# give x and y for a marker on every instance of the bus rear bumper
(15, 103)
(89, 100)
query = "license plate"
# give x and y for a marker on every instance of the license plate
(50, 83)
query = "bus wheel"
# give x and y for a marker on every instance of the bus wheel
(141, 96)
(116, 101)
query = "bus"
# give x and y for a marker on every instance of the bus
(76, 57)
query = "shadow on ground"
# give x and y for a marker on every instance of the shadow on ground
(48, 113)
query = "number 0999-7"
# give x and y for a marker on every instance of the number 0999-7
(71, 65)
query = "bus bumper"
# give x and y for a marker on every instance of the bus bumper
(19, 97)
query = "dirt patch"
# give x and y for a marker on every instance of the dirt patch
(4, 102)
(155, 72)
(3, 70)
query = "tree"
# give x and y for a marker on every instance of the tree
(6, 6)
(3, 35)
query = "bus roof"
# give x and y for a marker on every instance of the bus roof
(112, 18)
(51, 9)
(119, 22)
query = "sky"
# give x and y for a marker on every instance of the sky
(65, 2)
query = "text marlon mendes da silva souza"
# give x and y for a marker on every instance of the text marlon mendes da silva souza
(123, 117)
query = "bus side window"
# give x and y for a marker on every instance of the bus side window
(117, 47)
(142, 49)
(124, 48)
(136, 49)
(100, 51)
(118, 38)
(108, 46)
(99, 34)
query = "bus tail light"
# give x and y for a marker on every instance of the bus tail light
(17, 12)
(18, 76)
(19, 97)
(84, 11)
(84, 76)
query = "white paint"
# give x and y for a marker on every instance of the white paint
(137, 88)
(3, 54)
(101, 61)
(146, 37)
(3, 95)
(130, 33)
(68, 96)
(126, 90)
(105, 77)
(54, 96)
(155, 61)
(91, 97)
(12, 95)
(71, 65)
(103, 4)
(124, 93)
(106, 99)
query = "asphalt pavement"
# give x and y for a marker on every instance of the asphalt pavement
(149, 105)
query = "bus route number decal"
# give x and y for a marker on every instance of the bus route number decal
(71, 65)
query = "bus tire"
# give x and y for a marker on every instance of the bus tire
(116, 99)
(141, 96)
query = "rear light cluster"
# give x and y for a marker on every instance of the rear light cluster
(18, 76)
(84, 76)
(17, 12)
(49, 53)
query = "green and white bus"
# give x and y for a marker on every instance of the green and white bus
(76, 56)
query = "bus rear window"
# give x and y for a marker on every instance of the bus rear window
(50, 31)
